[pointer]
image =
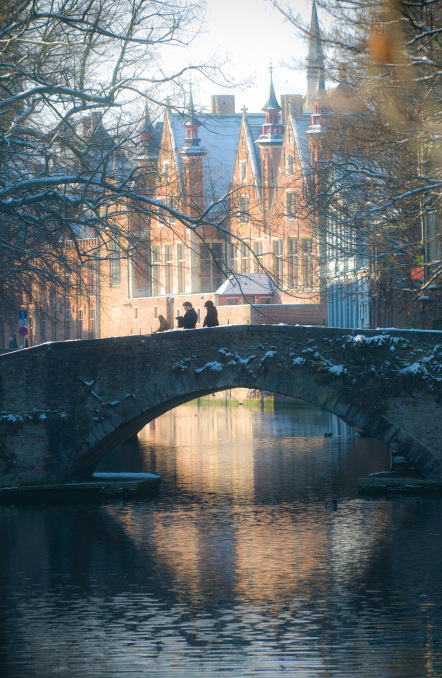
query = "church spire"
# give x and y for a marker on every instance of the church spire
(315, 61)
(315, 52)
(191, 125)
(272, 102)
(146, 131)
(272, 130)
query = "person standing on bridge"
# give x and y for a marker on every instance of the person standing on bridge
(190, 317)
(13, 342)
(211, 319)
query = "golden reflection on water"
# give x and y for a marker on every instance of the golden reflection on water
(236, 568)
(201, 439)
(274, 551)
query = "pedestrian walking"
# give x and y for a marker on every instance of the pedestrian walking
(13, 342)
(211, 319)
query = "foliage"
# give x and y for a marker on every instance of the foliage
(69, 134)
(380, 171)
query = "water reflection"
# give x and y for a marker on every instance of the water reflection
(236, 568)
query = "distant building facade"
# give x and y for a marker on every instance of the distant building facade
(253, 175)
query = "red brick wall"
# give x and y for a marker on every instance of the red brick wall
(263, 314)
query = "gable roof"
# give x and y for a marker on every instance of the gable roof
(219, 135)
(299, 127)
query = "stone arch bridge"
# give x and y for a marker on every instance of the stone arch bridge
(64, 405)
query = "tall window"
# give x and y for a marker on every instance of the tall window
(93, 323)
(92, 277)
(166, 171)
(181, 268)
(162, 215)
(210, 266)
(290, 204)
(242, 171)
(278, 262)
(173, 203)
(290, 164)
(257, 250)
(234, 256)
(115, 262)
(244, 258)
(243, 207)
(307, 262)
(168, 269)
(80, 323)
(155, 271)
(69, 323)
(292, 272)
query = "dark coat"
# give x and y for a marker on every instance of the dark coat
(211, 319)
(190, 319)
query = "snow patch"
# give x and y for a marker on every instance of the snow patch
(214, 366)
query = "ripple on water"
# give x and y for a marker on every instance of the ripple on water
(236, 568)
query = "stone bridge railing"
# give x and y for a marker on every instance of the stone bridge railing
(64, 405)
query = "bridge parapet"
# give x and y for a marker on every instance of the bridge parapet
(64, 405)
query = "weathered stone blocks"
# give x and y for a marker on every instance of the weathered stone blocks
(64, 405)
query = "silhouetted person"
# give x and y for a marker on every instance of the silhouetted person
(13, 342)
(164, 325)
(211, 319)
(189, 318)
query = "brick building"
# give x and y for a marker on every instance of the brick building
(245, 179)
(248, 175)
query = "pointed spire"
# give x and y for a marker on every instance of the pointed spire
(272, 101)
(315, 52)
(146, 122)
(315, 62)
(191, 125)
(320, 86)
(272, 131)
(146, 131)
(191, 118)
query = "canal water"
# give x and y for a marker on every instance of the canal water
(239, 567)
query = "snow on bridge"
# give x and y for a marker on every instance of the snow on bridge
(64, 405)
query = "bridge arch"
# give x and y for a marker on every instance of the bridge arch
(74, 401)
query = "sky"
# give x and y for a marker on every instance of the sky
(254, 35)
